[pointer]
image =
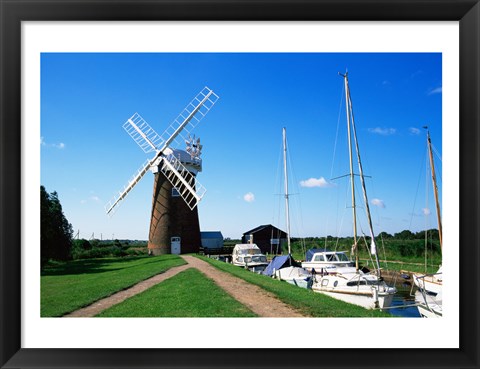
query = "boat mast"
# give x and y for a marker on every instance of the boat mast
(435, 189)
(352, 178)
(373, 248)
(287, 214)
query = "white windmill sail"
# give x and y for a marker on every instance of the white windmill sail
(185, 182)
(148, 140)
(111, 205)
(188, 119)
(142, 133)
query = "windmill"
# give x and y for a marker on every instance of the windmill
(174, 226)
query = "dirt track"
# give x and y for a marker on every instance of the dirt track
(255, 298)
(261, 302)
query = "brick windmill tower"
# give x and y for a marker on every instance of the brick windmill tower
(174, 225)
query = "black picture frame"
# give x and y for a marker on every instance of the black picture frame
(13, 12)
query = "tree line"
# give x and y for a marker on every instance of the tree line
(57, 243)
(56, 237)
(56, 232)
(431, 234)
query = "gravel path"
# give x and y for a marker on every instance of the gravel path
(261, 302)
(255, 298)
(100, 305)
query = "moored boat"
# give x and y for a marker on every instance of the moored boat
(429, 306)
(285, 267)
(348, 282)
(249, 256)
(430, 285)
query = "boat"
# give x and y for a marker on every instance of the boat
(429, 306)
(284, 267)
(430, 283)
(429, 294)
(325, 259)
(249, 256)
(343, 279)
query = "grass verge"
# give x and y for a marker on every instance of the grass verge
(188, 294)
(68, 286)
(306, 301)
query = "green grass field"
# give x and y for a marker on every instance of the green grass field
(188, 294)
(68, 286)
(308, 302)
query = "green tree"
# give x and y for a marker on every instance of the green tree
(384, 235)
(55, 231)
(405, 235)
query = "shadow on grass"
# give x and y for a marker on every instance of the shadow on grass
(90, 266)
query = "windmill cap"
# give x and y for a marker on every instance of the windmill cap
(193, 165)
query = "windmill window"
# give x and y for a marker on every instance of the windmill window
(175, 192)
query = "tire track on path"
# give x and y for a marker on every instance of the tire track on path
(261, 302)
(100, 305)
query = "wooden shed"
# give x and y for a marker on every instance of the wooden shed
(267, 237)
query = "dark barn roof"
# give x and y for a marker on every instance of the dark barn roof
(265, 227)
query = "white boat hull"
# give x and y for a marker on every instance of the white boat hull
(430, 311)
(365, 300)
(429, 306)
(372, 295)
(256, 268)
(294, 275)
(432, 284)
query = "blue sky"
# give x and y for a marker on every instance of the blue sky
(86, 156)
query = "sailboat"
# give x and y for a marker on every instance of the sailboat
(284, 267)
(350, 283)
(429, 294)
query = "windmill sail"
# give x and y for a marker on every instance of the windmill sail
(142, 133)
(111, 205)
(148, 140)
(188, 119)
(184, 182)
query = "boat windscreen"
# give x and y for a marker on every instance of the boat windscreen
(259, 259)
(249, 252)
(342, 257)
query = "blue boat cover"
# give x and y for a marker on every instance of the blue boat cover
(279, 262)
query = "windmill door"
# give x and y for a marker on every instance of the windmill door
(175, 244)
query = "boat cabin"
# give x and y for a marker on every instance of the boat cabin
(331, 257)
(323, 258)
(249, 256)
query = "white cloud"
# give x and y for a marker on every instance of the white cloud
(426, 211)
(249, 197)
(90, 199)
(414, 131)
(382, 131)
(434, 91)
(60, 145)
(378, 202)
(316, 182)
